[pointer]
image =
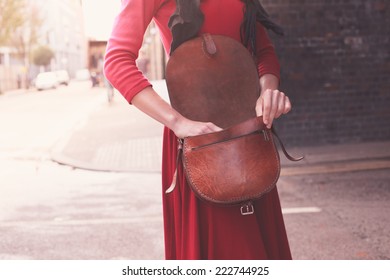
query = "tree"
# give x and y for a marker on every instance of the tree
(26, 36)
(11, 18)
(42, 56)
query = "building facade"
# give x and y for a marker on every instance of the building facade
(61, 28)
(63, 31)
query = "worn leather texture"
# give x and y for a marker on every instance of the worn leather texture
(213, 78)
(237, 164)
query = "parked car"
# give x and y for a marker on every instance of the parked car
(83, 75)
(46, 80)
(62, 77)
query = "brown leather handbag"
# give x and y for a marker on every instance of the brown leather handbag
(214, 78)
(234, 165)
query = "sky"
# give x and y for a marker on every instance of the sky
(99, 16)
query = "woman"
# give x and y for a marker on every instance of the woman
(193, 229)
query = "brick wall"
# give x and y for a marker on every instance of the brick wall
(335, 68)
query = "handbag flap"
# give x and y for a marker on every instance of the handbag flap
(213, 78)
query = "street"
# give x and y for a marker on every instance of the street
(58, 200)
(353, 221)
(52, 211)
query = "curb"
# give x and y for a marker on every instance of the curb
(337, 167)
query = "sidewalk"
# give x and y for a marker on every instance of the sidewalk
(116, 137)
(119, 138)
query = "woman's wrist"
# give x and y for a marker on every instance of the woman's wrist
(153, 105)
(268, 81)
(174, 121)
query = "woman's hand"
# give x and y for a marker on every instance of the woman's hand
(271, 105)
(185, 127)
(149, 102)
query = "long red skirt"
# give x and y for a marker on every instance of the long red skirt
(196, 230)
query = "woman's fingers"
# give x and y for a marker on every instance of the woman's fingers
(287, 106)
(266, 103)
(284, 105)
(188, 127)
(214, 127)
(274, 111)
(209, 127)
(271, 105)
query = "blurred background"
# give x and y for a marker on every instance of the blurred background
(334, 57)
(80, 169)
(42, 36)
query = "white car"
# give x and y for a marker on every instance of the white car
(83, 75)
(46, 80)
(62, 77)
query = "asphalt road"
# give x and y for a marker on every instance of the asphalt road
(352, 221)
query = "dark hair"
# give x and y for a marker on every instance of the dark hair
(253, 13)
(188, 19)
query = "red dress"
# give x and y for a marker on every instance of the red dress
(194, 229)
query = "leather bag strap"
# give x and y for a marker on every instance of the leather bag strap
(286, 154)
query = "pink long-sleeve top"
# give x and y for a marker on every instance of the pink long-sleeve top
(222, 17)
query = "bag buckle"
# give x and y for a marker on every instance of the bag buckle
(247, 209)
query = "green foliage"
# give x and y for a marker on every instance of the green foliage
(11, 18)
(42, 56)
